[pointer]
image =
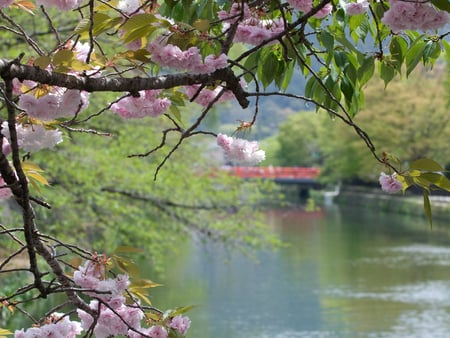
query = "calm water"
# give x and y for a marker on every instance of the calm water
(346, 273)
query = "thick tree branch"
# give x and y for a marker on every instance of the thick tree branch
(10, 70)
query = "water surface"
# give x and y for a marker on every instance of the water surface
(345, 273)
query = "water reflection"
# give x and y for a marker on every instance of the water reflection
(346, 273)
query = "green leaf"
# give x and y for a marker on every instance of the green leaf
(5, 332)
(347, 89)
(127, 249)
(138, 21)
(175, 112)
(178, 311)
(365, 72)
(427, 207)
(340, 58)
(251, 64)
(387, 72)
(126, 265)
(398, 48)
(288, 73)
(38, 177)
(63, 56)
(42, 61)
(327, 40)
(431, 52)
(414, 55)
(425, 164)
(442, 4)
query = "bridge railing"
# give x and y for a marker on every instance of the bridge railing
(275, 172)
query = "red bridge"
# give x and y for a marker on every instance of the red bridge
(293, 175)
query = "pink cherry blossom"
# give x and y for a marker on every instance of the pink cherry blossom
(157, 332)
(403, 15)
(128, 6)
(81, 50)
(237, 12)
(206, 95)
(60, 327)
(43, 108)
(91, 276)
(171, 56)
(154, 332)
(64, 5)
(254, 31)
(306, 5)
(147, 104)
(180, 323)
(324, 11)
(6, 147)
(109, 322)
(240, 151)
(252, 28)
(32, 138)
(301, 5)
(356, 8)
(5, 3)
(54, 105)
(389, 183)
(72, 102)
(4, 191)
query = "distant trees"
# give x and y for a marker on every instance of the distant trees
(409, 118)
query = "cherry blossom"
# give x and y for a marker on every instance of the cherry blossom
(59, 326)
(128, 6)
(302, 5)
(206, 95)
(64, 5)
(356, 8)
(237, 12)
(32, 138)
(147, 104)
(403, 15)
(252, 29)
(154, 332)
(5, 3)
(306, 5)
(390, 183)
(168, 55)
(180, 323)
(5, 192)
(59, 103)
(111, 321)
(91, 276)
(6, 147)
(240, 151)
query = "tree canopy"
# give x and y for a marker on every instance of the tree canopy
(168, 63)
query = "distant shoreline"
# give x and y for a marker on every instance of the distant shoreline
(406, 204)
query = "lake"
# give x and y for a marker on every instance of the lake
(347, 272)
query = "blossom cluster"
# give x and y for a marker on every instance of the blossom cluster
(32, 138)
(168, 55)
(206, 95)
(240, 151)
(252, 28)
(403, 15)
(63, 5)
(355, 8)
(390, 183)
(5, 3)
(59, 103)
(307, 5)
(113, 316)
(148, 103)
(58, 326)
